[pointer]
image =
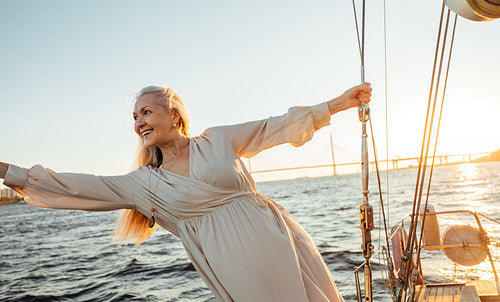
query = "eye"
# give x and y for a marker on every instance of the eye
(147, 111)
(135, 117)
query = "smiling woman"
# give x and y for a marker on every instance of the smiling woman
(199, 189)
(162, 123)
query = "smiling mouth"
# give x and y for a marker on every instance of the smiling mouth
(145, 133)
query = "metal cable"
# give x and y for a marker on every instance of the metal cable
(495, 221)
(375, 157)
(361, 45)
(405, 265)
(437, 131)
(386, 116)
(357, 28)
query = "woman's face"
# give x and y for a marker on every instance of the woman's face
(153, 122)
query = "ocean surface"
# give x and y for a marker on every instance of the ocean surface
(62, 255)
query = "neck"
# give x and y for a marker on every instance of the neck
(174, 148)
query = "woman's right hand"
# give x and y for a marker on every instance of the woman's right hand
(3, 169)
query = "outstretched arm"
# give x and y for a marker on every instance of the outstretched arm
(296, 127)
(3, 169)
(45, 188)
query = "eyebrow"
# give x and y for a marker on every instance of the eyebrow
(140, 110)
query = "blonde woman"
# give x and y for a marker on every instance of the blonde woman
(245, 246)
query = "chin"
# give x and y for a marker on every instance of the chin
(148, 144)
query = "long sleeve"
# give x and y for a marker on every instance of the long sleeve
(295, 127)
(45, 188)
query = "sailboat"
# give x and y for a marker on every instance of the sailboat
(465, 243)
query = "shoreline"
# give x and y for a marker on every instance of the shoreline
(10, 201)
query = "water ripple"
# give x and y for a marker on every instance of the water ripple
(54, 255)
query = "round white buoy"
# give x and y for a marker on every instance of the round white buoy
(475, 10)
(471, 248)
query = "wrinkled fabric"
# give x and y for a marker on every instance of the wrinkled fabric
(245, 246)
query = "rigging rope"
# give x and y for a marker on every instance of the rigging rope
(437, 131)
(386, 116)
(407, 255)
(392, 284)
(363, 41)
(356, 22)
(421, 162)
(429, 122)
(379, 187)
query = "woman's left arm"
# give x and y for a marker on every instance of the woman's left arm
(296, 127)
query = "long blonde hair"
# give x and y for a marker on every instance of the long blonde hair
(132, 225)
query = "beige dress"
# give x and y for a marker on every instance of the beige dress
(245, 246)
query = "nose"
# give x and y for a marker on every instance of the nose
(139, 122)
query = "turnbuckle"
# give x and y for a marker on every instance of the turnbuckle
(364, 112)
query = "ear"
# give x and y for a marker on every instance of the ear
(175, 116)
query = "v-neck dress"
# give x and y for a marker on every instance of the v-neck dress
(245, 246)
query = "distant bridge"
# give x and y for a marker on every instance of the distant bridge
(397, 163)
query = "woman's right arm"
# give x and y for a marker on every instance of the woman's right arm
(45, 188)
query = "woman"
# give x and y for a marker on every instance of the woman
(245, 246)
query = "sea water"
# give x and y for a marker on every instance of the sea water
(62, 255)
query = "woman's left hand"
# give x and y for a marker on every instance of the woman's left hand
(358, 94)
(353, 97)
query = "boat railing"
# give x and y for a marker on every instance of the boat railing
(430, 229)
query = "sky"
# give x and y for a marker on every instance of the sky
(69, 71)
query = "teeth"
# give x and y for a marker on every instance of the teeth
(146, 132)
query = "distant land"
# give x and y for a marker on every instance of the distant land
(9, 201)
(494, 156)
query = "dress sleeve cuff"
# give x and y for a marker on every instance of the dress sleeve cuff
(16, 177)
(321, 115)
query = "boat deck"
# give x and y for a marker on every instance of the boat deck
(472, 291)
(487, 290)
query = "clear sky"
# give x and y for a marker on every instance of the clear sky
(69, 70)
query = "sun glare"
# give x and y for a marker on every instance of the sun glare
(473, 188)
(468, 171)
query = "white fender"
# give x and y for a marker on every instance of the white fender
(430, 230)
(475, 10)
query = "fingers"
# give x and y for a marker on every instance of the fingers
(365, 88)
(364, 92)
(354, 96)
(364, 97)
